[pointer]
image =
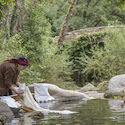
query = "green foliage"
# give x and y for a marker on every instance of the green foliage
(92, 13)
(121, 3)
(97, 57)
(35, 42)
(46, 69)
(1, 11)
(56, 13)
(108, 61)
(81, 49)
(87, 13)
(36, 38)
(7, 2)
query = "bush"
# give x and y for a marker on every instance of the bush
(108, 61)
(79, 50)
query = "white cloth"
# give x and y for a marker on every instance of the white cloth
(9, 101)
(41, 93)
(31, 103)
(22, 86)
(65, 93)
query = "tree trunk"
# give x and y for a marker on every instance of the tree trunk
(14, 20)
(8, 23)
(21, 15)
(65, 25)
(18, 20)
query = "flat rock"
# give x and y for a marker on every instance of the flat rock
(95, 94)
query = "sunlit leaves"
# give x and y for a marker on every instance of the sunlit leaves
(121, 3)
(7, 2)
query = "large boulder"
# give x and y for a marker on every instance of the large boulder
(116, 86)
(6, 115)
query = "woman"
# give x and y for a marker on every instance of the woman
(9, 71)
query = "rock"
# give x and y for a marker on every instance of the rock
(88, 87)
(62, 94)
(116, 86)
(6, 114)
(95, 94)
(35, 115)
(30, 117)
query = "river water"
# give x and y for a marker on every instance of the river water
(91, 112)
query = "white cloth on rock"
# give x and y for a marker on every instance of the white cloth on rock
(10, 101)
(31, 103)
(41, 93)
(65, 93)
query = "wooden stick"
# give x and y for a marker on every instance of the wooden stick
(24, 107)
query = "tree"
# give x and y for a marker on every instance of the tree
(17, 19)
(8, 23)
(1, 11)
(14, 18)
(87, 13)
(66, 22)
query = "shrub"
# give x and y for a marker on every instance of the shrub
(81, 49)
(108, 61)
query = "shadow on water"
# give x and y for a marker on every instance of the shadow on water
(92, 112)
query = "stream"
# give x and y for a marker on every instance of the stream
(91, 112)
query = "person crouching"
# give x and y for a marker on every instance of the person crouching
(9, 72)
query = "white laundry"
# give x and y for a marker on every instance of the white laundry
(31, 103)
(41, 93)
(9, 101)
(22, 86)
(63, 92)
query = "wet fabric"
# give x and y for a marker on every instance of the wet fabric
(31, 103)
(41, 93)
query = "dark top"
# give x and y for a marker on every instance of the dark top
(8, 76)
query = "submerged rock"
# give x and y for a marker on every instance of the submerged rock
(35, 115)
(6, 115)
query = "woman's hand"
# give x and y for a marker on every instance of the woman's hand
(18, 92)
(18, 84)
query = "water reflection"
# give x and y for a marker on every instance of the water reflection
(117, 107)
(92, 112)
